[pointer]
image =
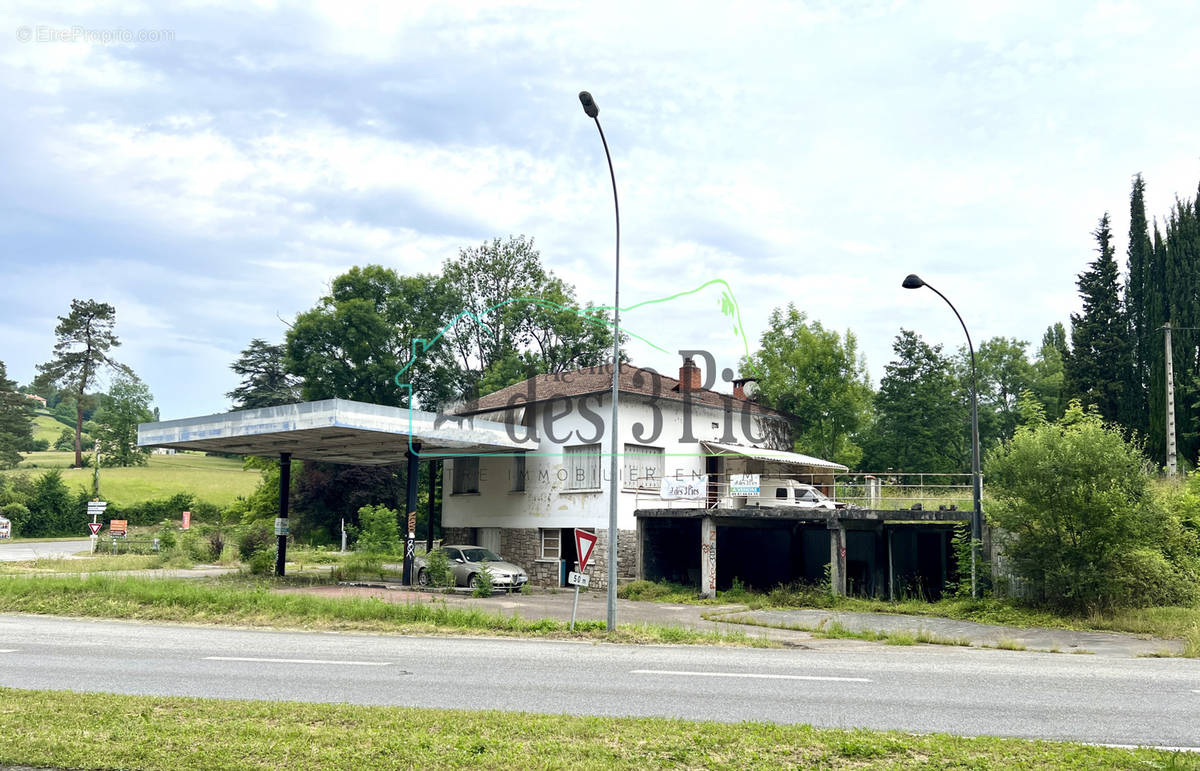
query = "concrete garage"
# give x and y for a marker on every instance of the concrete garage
(870, 553)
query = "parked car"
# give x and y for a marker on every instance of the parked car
(788, 493)
(467, 562)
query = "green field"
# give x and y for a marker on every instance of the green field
(95, 730)
(215, 480)
(46, 427)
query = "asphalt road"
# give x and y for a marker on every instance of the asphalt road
(31, 550)
(924, 688)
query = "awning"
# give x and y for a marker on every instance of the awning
(775, 456)
(337, 431)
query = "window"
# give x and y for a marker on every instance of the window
(466, 475)
(643, 467)
(518, 474)
(582, 464)
(551, 544)
(780, 492)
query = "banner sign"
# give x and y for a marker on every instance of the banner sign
(684, 489)
(117, 527)
(743, 485)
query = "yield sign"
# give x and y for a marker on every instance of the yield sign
(585, 543)
(95, 527)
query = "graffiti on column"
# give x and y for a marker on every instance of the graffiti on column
(709, 547)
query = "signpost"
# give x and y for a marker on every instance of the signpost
(585, 544)
(95, 508)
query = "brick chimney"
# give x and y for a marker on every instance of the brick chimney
(689, 376)
(739, 389)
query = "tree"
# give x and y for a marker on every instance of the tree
(921, 418)
(16, 421)
(265, 379)
(117, 423)
(818, 376)
(50, 508)
(1046, 377)
(353, 343)
(1138, 285)
(1004, 372)
(1097, 370)
(1077, 521)
(84, 338)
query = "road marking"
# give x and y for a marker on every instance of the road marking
(300, 661)
(750, 675)
(14, 650)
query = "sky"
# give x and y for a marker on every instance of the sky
(209, 168)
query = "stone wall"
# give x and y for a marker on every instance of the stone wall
(522, 546)
(626, 558)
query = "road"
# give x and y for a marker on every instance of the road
(925, 688)
(31, 550)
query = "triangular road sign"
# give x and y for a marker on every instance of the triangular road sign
(95, 527)
(585, 543)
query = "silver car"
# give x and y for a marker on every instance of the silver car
(466, 563)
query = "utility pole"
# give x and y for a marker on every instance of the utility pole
(1172, 466)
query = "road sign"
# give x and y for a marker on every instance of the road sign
(579, 579)
(585, 543)
(117, 526)
(187, 520)
(97, 507)
(95, 527)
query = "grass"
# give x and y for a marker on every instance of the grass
(208, 478)
(1009, 644)
(92, 731)
(94, 564)
(250, 602)
(46, 427)
(1167, 622)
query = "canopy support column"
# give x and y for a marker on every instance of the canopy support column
(281, 524)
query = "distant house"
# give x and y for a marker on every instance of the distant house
(39, 399)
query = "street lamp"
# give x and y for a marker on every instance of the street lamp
(913, 281)
(589, 107)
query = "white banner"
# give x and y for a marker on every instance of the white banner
(743, 485)
(694, 489)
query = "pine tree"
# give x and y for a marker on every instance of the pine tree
(1100, 351)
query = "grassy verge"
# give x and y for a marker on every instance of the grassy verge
(1169, 622)
(87, 731)
(94, 564)
(247, 602)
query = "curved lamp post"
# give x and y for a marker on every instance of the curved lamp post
(589, 107)
(913, 281)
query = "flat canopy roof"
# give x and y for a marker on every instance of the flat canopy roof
(336, 431)
(775, 456)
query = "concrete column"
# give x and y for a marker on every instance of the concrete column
(708, 557)
(410, 537)
(837, 558)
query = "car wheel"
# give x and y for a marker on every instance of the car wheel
(423, 577)
(472, 580)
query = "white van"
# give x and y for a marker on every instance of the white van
(788, 493)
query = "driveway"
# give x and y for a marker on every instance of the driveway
(22, 551)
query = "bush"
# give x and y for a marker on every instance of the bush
(262, 562)
(359, 566)
(255, 537)
(379, 531)
(1077, 520)
(483, 582)
(437, 567)
(18, 514)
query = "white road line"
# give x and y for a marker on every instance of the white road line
(750, 675)
(14, 650)
(300, 661)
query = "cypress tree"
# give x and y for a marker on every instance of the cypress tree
(1097, 369)
(1156, 314)
(1138, 265)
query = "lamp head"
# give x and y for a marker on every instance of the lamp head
(589, 104)
(912, 281)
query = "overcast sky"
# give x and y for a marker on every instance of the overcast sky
(211, 179)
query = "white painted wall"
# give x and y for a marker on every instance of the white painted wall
(546, 503)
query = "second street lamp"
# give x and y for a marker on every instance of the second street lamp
(589, 107)
(913, 281)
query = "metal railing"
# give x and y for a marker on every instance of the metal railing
(886, 491)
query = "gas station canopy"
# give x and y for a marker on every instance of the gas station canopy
(335, 431)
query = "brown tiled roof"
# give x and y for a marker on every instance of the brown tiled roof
(598, 379)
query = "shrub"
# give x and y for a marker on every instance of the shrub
(17, 513)
(262, 562)
(437, 566)
(254, 537)
(379, 531)
(483, 582)
(359, 566)
(1077, 519)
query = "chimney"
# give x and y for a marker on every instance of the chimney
(739, 389)
(689, 376)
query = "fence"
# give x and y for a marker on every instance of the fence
(886, 491)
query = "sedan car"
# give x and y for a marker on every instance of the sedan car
(467, 562)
